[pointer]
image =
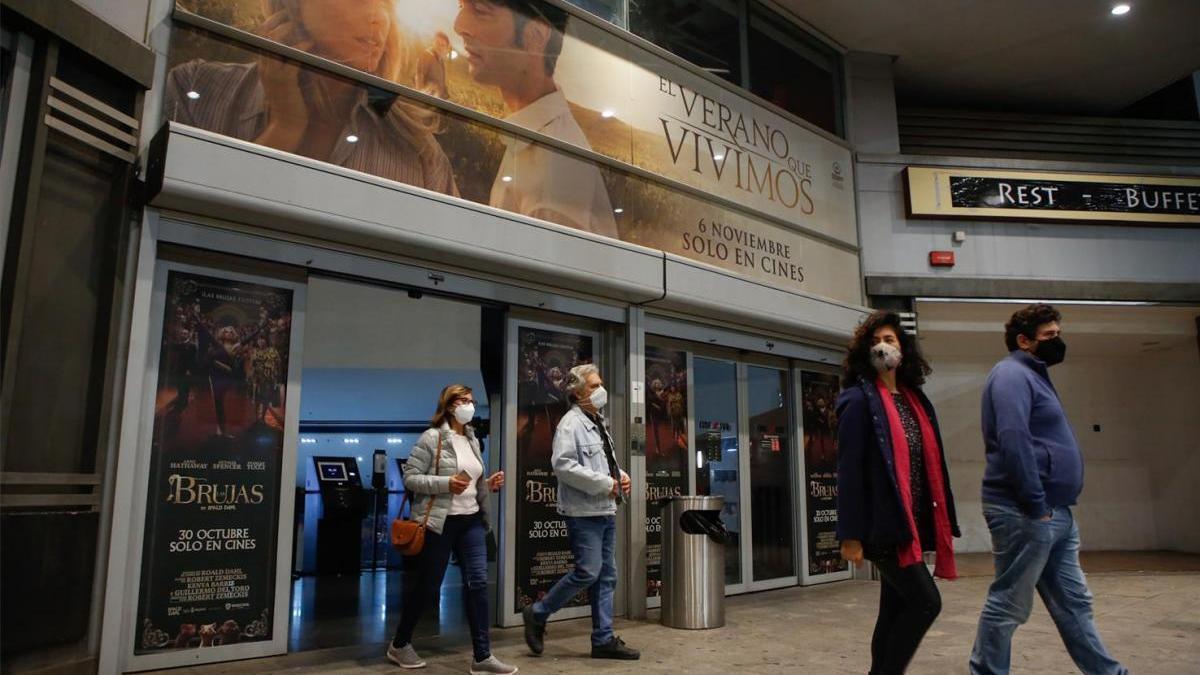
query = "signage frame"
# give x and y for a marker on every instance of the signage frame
(278, 644)
(927, 195)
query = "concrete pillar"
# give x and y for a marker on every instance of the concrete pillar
(871, 123)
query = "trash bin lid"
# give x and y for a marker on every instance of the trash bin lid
(693, 502)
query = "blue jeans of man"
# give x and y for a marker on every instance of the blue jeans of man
(593, 544)
(1028, 554)
(466, 536)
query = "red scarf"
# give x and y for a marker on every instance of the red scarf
(944, 546)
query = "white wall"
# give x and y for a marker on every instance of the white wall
(1142, 469)
(352, 325)
(127, 16)
(894, 245)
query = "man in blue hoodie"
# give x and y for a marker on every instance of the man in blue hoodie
(1033, 477)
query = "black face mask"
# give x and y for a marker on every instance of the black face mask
(1051, 351)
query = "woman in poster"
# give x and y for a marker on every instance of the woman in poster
(894, 498)
(283, 105)
(445, 475)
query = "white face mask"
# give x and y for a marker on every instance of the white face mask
(599, 398)
(464, 413)
(885, 357)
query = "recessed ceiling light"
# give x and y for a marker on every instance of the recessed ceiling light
(607, 113)
(352, 138)
(1120, 9)
(618, 210)
(506, 179)
(193, 95)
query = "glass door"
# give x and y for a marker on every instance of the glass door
(768, 454)
(718, 465)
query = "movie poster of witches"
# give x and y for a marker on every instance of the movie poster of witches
(666, 447)
(543, 553)
(208, 558)
(820, 392)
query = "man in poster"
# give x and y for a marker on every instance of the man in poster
(590, 485)
(514, 45)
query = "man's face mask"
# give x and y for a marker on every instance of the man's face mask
(885, 357)
(1051, 351)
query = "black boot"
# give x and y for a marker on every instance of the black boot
(535, 631)
(615, 649)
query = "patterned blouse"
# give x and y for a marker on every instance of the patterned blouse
(917, 478)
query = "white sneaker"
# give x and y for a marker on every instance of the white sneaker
(405, 657)
(490, 666)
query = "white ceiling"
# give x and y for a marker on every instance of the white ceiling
(1065, 56)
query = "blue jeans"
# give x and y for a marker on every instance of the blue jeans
(1029, 554)
(593, 544)
(467, 538)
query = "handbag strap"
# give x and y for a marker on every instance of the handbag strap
(437, 464)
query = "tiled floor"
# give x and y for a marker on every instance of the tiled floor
(1147, 608)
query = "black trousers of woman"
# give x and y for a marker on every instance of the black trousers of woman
(909, 602)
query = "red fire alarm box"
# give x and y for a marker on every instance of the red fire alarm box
(941, 258)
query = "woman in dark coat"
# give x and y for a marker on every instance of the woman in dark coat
(894, 499)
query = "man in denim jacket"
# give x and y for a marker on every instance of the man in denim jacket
(590, 485)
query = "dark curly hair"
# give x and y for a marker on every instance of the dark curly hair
(913, 367)
(1027, 321)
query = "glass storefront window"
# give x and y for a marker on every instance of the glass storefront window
(794, 71)
(705, 33)
(769, 407)
(717, 452)
(612, 11)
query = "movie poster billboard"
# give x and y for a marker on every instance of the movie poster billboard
(567, 79)
(666, 447)
(820, 391)
(543, 551)
(209, 550)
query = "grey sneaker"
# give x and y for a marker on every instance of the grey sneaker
(492, 665)
(405, 657)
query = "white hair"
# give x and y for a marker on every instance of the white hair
(577, 378)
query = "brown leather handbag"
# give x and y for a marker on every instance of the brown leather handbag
(408, 536)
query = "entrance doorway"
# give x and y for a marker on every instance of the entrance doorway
(375, 360)
(743, 448)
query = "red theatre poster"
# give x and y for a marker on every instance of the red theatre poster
(544, 358)
(666, 447)
(208, 558)
(820, 392)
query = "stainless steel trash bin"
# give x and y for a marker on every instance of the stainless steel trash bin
(693, 562)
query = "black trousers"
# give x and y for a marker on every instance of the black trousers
(908, 604)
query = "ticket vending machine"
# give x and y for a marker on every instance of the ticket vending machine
(334, 507)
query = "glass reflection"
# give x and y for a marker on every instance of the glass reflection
(770, 473)
(717, 449)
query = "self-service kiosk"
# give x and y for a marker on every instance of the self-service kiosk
(334, 507)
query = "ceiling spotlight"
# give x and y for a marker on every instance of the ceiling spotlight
(506, 179)
(607, 114)
(1121, 9)
(352, 138)
(193, 95)
(618, 210)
